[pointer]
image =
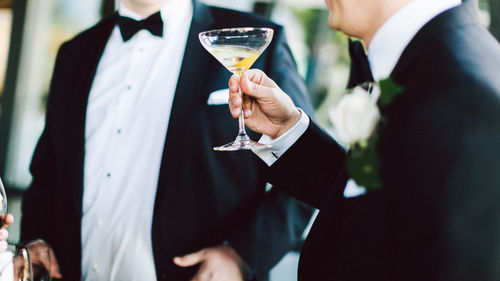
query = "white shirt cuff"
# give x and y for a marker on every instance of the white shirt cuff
(280, 145)
(6, 266)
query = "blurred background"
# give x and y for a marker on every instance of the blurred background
(31, 32)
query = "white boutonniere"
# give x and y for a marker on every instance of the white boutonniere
(355, 119)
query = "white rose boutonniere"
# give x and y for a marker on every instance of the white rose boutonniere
(355, 119)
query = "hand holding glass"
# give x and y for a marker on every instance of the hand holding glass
(237, 49)
(31, 260)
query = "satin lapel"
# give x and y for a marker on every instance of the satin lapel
(92, 50)
(188, 92)
(465, 14)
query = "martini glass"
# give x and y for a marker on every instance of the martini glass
(237, 49)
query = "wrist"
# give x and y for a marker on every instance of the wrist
(289, 123)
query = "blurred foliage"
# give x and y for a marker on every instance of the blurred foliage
(312, 27)
(327, 50)
(308, 19)
(495, 18)
(484, 4)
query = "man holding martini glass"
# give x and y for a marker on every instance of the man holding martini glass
(427, 152)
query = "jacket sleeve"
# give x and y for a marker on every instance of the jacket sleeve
(276, 224)
(311, 168)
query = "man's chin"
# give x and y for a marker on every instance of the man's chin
(334, 26)
(332, 23)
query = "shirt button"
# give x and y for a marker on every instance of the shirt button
(108, 175)
(95, 269)
(119, 131)
(129, 87)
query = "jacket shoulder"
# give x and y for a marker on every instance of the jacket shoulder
(94, 32)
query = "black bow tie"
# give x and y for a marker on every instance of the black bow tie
(360, 66)
(129, 27)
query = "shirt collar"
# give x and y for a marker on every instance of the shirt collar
(391, 39)
(173, 10)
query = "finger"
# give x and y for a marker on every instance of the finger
(234, 96)
(256, 84)
(190, 260)
(234, 83)
(259, 77)
(8, 220)
(247, 102)
(4, 234)
(248, 113)
(235, 105)
(54, 271)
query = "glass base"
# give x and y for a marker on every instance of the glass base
(241, 143)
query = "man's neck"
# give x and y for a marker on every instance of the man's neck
(385, 10)
(144, 9)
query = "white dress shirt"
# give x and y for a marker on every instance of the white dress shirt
(126, 125)
(386, 48)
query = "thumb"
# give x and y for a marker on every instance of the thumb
(255, 83)
(55, 272)
(190, 259)
(9, 219)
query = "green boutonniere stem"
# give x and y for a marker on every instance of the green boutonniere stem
(363, 163)
(388, 91)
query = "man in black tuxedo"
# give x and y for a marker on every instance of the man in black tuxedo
(437, 214)
(124, 175)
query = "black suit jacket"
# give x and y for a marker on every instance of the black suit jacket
(203, 197)
(437, 216)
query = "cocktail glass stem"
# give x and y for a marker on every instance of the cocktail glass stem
(242, 134)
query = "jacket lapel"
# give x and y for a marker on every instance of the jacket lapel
(187, 94)
(92, 50)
